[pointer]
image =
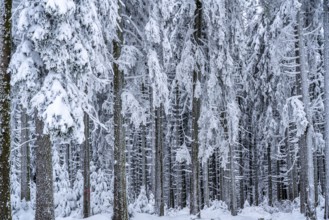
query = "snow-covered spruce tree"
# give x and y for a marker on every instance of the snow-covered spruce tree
(51, 67)
(135, 98)
(5, 55)
(101, 192)
(63, 195)
(159, 95)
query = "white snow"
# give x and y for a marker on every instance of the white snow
(216, 212)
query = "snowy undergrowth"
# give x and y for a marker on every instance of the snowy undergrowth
(217, 211)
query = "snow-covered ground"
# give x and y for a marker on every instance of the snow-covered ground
(249, 213)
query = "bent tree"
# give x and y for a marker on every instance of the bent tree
(5, 45)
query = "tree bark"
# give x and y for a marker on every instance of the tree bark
(5, 44)
(205, 184)
(159, 197)
(196, 105)
(233, 205)
(44, 175)
(25, 157)
(326, 101)
(241, 173)
(269, 173)
(86, 169)
(120, 208)
(309, 166)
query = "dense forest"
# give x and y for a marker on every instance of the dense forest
(124, 106)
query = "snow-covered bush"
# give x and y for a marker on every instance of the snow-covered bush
(63, 195)
(143, 204)
(101, 194)
(78, 192)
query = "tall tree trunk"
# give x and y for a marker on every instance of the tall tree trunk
(178, 143)
(251, 169)
(205, 184)
(5, 45)
(301, 142)
(171, 180)
(309, 166)
(269, 173)
(302, 175)
(86, 169)
(295, 177)
(25, 157)
(184, 186)
(241, 173)
(159, 197)
(196, 105)
(326, 101)
(144, 158)
(44, 174)
(255, 154)
(120, 209)
(143, 146)
(233, 205)
(289, 165)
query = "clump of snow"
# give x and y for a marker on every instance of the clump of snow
(183, 155)
(60, 7)
(152, 31)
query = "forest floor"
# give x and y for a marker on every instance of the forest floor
(215, 212)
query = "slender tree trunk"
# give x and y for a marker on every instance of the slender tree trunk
(25, 157)
(302, 175)
(205, 184)
(255, 153)
(179, 165)
(251, 170)
(196, 105)
(301, 142)
(120, 209)
(171, 181)
(241, 173)
(269, 173)
(143, 149)
(289, 165)
(326, 101)
(316, 179)
(278, 181)
(221, 184)
(309, 166)
(232, 182)
(44, 175)
(159, 197)
(184, 187)
(5, 46)
(86, 169)
(144, 159)
(294, 172)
